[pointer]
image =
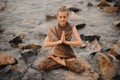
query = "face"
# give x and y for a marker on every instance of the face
(62, 18)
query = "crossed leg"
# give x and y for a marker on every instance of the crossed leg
(58, 60)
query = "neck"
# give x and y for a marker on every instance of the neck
(62, 25)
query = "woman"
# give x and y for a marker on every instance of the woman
(59, 37)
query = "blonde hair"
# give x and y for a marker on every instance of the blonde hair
(63, 9)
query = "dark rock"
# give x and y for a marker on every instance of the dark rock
(4, 46)
(3, 4)
(17, 40)
(89, 4)
(93, 54)
(89, 38)
(7, 68)
(50, 17)
(109, 0)
(116, 77)
(11, 75)
(14, 42)
(15, 75)
(118, 57)
(117, 23)
(80, 26)
(117, 3)
(81, 2)
(29, 55)
(1, 30)
(74, 9)
(104, 50)
(32, 75)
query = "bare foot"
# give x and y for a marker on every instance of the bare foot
(58, 60)
(71, 59)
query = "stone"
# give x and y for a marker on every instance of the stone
(117, 3)
(6, 59)
(106, 68)
(17, 40)
(28, 55)
(3, 5)
(109, 0)
(116, 23)
(50, 17)
(95, 45)
(89, 38)
(115, 50)
(103, 3)
(74, 9)
(111, 9)
(32, 75)
(80, 26)
(29, 46)
(89, 4)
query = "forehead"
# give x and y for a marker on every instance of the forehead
(62, 13)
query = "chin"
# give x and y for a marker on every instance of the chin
(63, 24)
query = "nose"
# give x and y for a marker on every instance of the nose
(62, 18)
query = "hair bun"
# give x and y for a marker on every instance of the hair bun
(63, 8)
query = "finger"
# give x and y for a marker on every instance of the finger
(63, 32)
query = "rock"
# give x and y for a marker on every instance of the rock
(81, 2)
(109, 0)
(117, 3)
(105, 50)
(29, 46)
(29, 55)
(111, 9)
(116, 77)
(73, 16)
(80, 26)
(6, 59)
(107, 69)
(4, 46)
(7, 68)
(15, 75)
(74, 9)
(95, 45)
(93, 54)
(115, 50)
(32, 75)
(103, 3)
(17, 40)
(1, 29)
(89, 38)
(3, 5)
(50, 17)
(117, 23)
(89, 4)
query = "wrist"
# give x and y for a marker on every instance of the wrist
(60, 42)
